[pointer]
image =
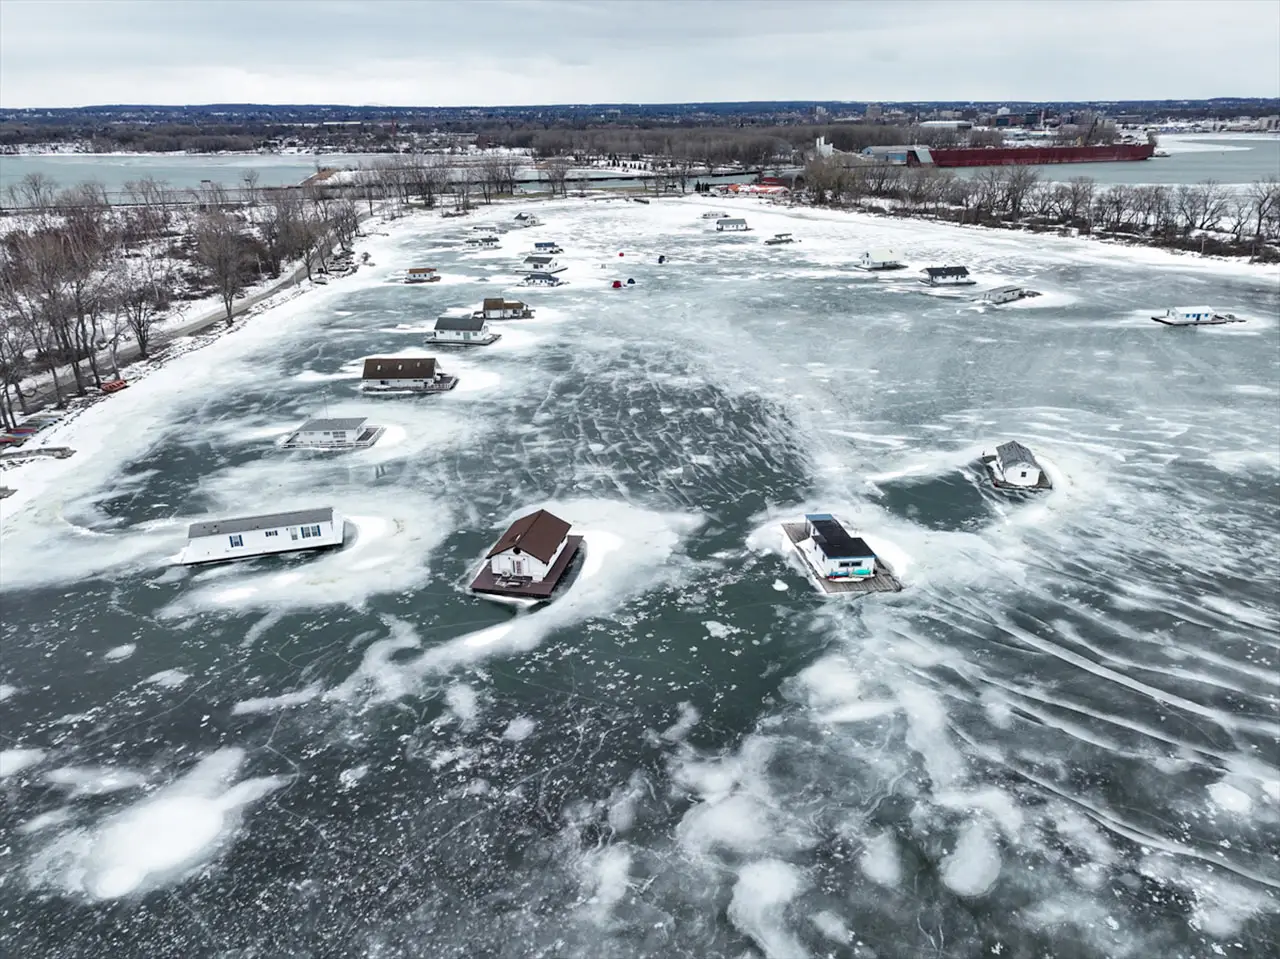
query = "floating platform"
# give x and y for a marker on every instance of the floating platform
(522, 588)
(1218, 319)
(1044, 483)
(884, 581)
(442, 385)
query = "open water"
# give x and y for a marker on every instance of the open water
(1058, 741)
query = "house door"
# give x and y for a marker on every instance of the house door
(517, 567)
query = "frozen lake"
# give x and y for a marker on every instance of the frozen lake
(1059, 739)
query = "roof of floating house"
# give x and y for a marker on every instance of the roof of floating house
(399, 367)
(731, 221)
(248, 524)
(936, 271)
(330, 425)
(538, 534)
(498, 303)
(419, 270)
(1005, 289)
(459, 324)
(881, 256)
(1014, 452)
(834, 540)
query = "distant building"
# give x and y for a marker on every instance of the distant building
(873, 112)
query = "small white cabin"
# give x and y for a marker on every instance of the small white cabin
(541, 279)
(401, 373)
(547, 246)
(230, 539)
(714, 215)
(337, 432)
(421, 274)
(527, 219)
(465, 329)
(542, 263)
(1017, 465)
(499, 308)
(947, 276)
(833, 552)
(530, 548)
(1007, 294)
(731, 224)
(880, 260)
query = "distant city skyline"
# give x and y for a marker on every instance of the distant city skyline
(528, 52)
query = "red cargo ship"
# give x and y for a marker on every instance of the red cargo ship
(1018, 156)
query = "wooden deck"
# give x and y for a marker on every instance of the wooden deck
(486, 582)
(884, 581)
(1044, 483)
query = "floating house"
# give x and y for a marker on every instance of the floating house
(498, 308)
(461, 329)
(337, 433)
(880, 260)
(405, 374)
(486, 241)
(1013, 466)
(542, 263)
(836, 560)
(541, 279)
(948, 276)
(731, 224)
(714, 215)
(529, 560)
(547, 246)
(1195, 316)
(1007, 294)
(527, 219)
(778, 239)
(421, 274)
(223, 540)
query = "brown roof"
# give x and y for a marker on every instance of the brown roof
(399, 368)
(537, 534)
(421, 269)
(493, 303)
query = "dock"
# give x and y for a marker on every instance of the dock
(884, 581)
(1043, 484)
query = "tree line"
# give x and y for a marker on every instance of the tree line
(1207, 216)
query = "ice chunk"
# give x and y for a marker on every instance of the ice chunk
(974, 865)
(519, 729)
(759, 898)
(13, 761)
(880, 861)
(120, 652)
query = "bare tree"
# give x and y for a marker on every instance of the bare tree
(557, 171)
(345, 220)
(1264, 195)
(140, 289)
(250, 181)
(219, 248)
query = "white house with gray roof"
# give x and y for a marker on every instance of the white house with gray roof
(348, 432)
(462, 328)
(223, 540)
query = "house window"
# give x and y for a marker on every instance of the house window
(236, 540)
(273, 532)
(315, 531)
(1024, 474)
(306, 532)
(293, 532)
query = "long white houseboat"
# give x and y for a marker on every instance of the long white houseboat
(1007, 294)
(1195, 316)
(226, 540)
(405, 374)
(333, 433)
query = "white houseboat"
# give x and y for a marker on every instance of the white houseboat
(461, 329)
(731, 224)
(547, 246)
(405, 374)
(836, 560)
(1007, 294)
(541, 279)
(880, 260)
(500, 308)
(1013, 466)
(1195, 316)
(527, 219)
(714, 215)
(220, 541)
(541, 263)
(421, 274)
(529, 560)
(353, 432)
(778, 239)
(948, 276)
(485, 241)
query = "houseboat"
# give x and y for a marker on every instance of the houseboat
(461, 329)
(948, 276)
(778, 239)
(714, 215)
(527, 219)
(485, 241)
(529, 561)
(1013, 466)
(225, 540)
(500, 308)
(1195, 316)
(547, 246)
(541, 263)
(541, 279)
(485, 228)
(731, 224)
(836, 560)
(333, 434)
(405, 374)
(421, 274)
(1007, 294)
(880, 260)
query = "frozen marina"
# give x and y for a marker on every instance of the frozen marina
(1062, 732)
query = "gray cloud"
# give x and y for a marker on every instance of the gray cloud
(464, 52)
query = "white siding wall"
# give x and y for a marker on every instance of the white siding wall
(1022, 474)
(505, 563)
(205, 549)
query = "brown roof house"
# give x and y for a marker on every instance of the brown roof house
(405, 374)
(421, 274)
(529, 560)
(497, 308)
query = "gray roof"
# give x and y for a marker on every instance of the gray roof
(247, 524)
(538, 259)
(947, 270)
(1014, 452)
(329, 425)
(732, 219)
(473, 323)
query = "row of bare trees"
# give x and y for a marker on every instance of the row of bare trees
(1245, 221)
(80, 278)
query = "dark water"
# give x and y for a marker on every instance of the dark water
(1059, 740)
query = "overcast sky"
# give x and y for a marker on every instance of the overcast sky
(492, 52)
